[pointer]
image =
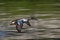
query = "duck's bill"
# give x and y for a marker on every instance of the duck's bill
(12, 23)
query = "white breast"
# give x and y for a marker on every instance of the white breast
(24, 19)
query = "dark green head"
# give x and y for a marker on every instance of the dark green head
(14, 22)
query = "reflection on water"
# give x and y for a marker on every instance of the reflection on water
(2, 34)
(3, 26)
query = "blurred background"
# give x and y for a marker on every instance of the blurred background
(46, 11)
(28, 7)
